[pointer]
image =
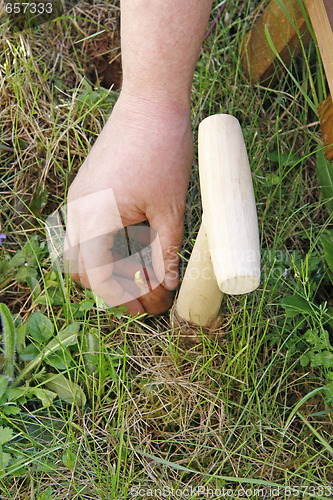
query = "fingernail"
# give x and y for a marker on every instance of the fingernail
(171, 280)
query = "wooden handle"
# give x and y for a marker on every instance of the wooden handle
(199, 298)
(321, 15)
(229, 204)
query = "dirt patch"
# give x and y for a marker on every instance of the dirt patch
(100, 48)
(109, 72)
(103, 60)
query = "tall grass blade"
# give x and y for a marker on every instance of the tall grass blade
(325, 179)
(327, 242)
(9, 341)
(298, 85)
(318, 436)
(299, 404)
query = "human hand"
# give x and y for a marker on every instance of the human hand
(143, 157)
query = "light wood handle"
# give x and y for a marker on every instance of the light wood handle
(199, 298)
(229, 204)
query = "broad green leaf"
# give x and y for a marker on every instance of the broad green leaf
(325, 336)
(67, 390)
(88, 98)
(20, 337)
(11, 410)
(284, 159)
(3, 385)
(295, 304)
(17, 394)
(19, 472)
(60, 360)
(91, 348)
(34, 286)
(69, 459)
(74, 309)
(29, 353)
(63, 340)
(317, 360)
(325, 179)
(4, 459)
(86, 304)
(100, 304)
(327, 242)
(47, 495)
(118, 311)
(45, 396)
(33, 249)
(304, 360)
(40, 327)
(329, 392)
(46, 466)
(312, 337)
(6, 434)
(327, 359)
(25, 273)
(4, 267)
(9, 340)
(51, 279)
(70, 329)
(57, 297)
(272, 180)
(43, 300)
(39, 201)
(17, 261)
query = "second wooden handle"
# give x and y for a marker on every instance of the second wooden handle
(229, 204)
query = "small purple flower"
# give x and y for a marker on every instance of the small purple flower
(2, 237)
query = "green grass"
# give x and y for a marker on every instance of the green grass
(135, 412)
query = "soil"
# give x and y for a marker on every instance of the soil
(103, 60)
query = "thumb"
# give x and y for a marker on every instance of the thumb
(165, 245)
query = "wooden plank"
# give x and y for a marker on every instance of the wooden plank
(326, 126)
(322, 26)
(258, 60)
(329, 10)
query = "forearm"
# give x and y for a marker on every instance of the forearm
(161, 40)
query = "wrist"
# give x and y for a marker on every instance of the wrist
(154, 102)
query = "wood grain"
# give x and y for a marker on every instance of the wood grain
(326, 126)
(329, 10)
(258, 60)
(228, 204)
(322, 26)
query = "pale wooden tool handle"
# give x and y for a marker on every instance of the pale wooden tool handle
(229, 204)
(199, 298)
